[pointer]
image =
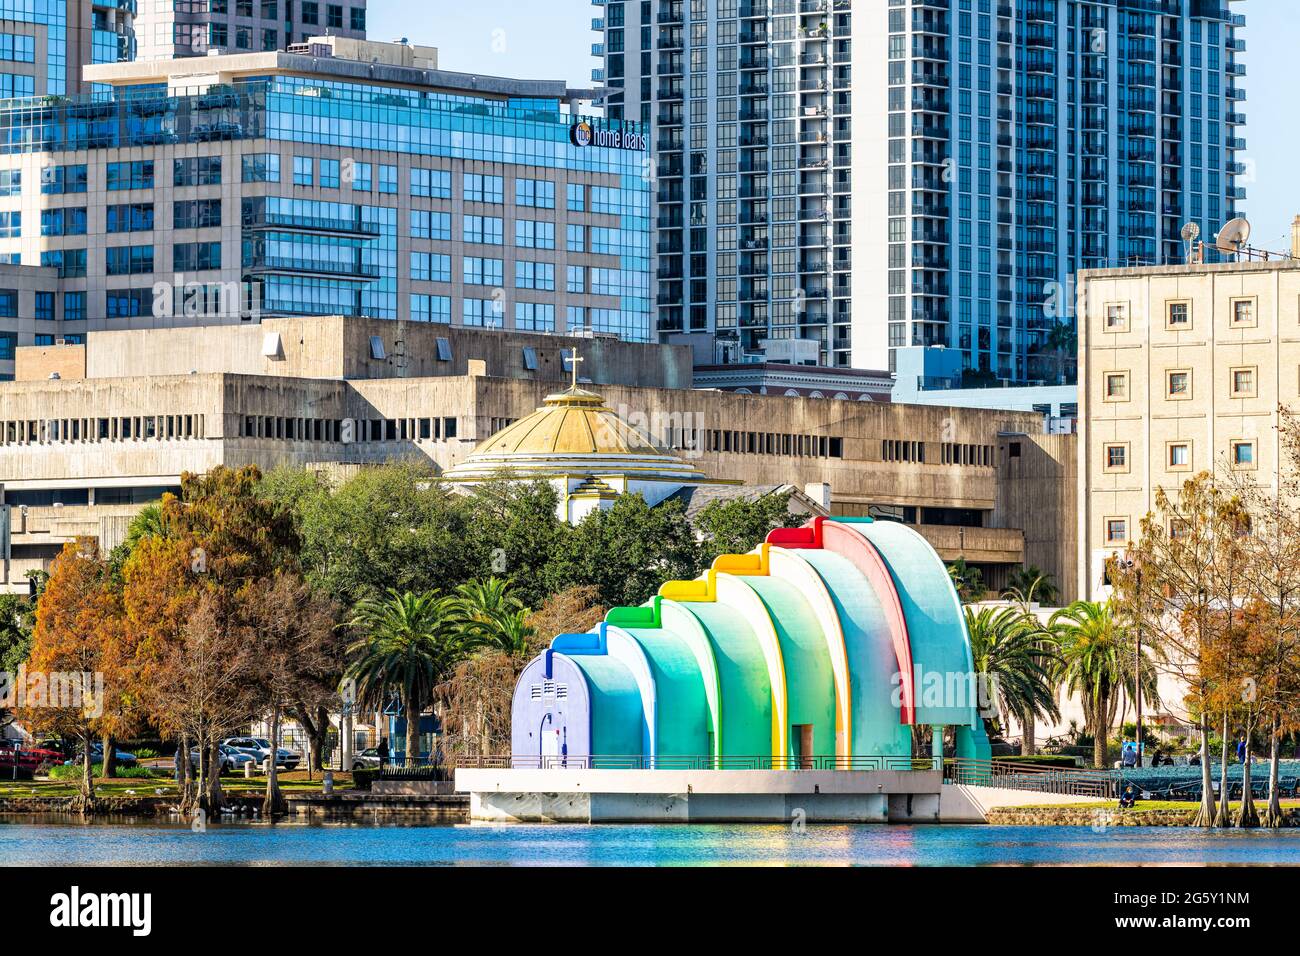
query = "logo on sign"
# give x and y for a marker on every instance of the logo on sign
(580, 134)
(584, 134)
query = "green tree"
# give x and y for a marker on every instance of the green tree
(17, 619)
(518, 527)
(1028, 583)
(627, 551)
(967, 579)
(1095, 660)
(740, 525)
(492, 617)
(1017, 659)
(409, 644)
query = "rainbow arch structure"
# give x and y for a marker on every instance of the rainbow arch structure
(833, 639)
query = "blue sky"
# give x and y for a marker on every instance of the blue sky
(550, 39)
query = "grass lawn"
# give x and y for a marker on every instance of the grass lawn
(1188, 805)
(292, 782)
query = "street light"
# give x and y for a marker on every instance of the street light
(1130, 562)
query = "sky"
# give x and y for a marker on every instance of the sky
(551, 39)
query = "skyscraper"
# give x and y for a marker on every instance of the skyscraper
(172, 28)
(43, 46)
(995, 149)
(749, 105)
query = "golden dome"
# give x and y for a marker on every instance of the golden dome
(573, 432)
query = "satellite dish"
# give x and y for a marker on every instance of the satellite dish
(1233, 236)
(1191, 232)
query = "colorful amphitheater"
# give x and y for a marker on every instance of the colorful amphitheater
(824, 647)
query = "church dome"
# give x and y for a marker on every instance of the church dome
(573, 433)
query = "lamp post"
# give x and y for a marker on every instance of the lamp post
(1131, 562)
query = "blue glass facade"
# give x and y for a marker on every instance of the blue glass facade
(1031, 139)
(344, 184)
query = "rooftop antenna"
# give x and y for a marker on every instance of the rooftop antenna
(1190, 233)
(1232, 238)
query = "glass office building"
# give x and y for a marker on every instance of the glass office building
(992, 147)
(1027, 140)
(173, 28)
(287, 185)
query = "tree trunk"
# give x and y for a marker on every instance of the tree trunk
(1099, 735)
(1223, 817)
(87, 794)
(110, 757)
(1249, 816)
(274, 802)
(185, 771)
(1273, 813)
(1205, 816)
(1027, 733)
(216, 797)
(412, 732)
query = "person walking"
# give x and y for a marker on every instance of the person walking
(383, 752)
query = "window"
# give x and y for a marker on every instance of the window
(577, 197)
(128, 260)
(576, 238)
(64, 221)
(535, 275)
(577, 281)
(359, 174)
(535, 317)
(480, 271)
(334, 15)
(11, 182)
(1178, 315)
(129, 217)
(302, 171)
(196, 214)
(1116, 530)
(197, 171)
(538, 193)
(433, 183)
(388, 179)
(261, 168)
(132, 175)
(57, 180)
(1243, 382)
(480, 188)
(1243, 313)
(1117, 317)
(196, 256)
(1116, 387)
(1117, 457)
(44, 306)
(358, 19)
(430, 225)
(430, 267)
(485, 230)
(74, 306)
(533, 234)
(1243, 454)
(1178, 384)
(430, 308)
(481, 312)
(1179, 456)
(329, 173)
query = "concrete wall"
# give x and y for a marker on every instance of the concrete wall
(337, 347)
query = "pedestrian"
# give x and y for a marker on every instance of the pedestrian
(383, 752)
(1241, 749)
(1128, 754)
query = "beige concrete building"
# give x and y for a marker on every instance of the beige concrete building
(1182, 369)
(988, 485)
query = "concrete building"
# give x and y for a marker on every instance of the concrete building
(990, 486)
(176, 28)
(1182, 370)
(1001, 147)
(357, 180)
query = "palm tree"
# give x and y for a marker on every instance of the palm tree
(491, 616)
(1028, 584)
(1096, 662)
(968, 580)
(1018, 658)
(409, 644)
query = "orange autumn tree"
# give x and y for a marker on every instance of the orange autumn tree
(77, 620)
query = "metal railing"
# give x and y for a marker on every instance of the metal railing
(1019, 775)
(690, 762)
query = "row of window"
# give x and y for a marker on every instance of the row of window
(770, 443)
(1178, 455)
(347, 430)
(137, 427)
(1242, 314)
(1243, 382)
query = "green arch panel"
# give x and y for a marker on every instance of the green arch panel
(681, 711)
(746, 690)
(617, 717)
(810, 682)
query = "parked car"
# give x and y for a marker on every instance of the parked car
(232, 760)
(124, 759)
(367, 759)
(260, 748)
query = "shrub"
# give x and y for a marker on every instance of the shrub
(362, 778)
(73, 772)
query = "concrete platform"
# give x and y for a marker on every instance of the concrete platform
(701, 796)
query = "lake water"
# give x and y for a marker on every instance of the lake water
(24, 841)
